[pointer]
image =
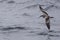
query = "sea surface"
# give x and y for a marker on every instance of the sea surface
(20, 20)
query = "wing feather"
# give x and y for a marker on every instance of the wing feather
(42, 10)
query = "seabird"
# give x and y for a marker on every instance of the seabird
(46, 16)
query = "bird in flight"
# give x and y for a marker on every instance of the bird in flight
(46, 16)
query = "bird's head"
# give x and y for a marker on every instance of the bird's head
(42, 16)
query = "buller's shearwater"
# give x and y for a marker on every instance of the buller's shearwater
(46, 16)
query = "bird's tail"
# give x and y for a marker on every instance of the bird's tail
(51, 17)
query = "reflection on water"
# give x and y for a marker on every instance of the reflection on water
(48, 37)
(51, 34)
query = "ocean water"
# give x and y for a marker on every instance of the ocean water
(19, 20)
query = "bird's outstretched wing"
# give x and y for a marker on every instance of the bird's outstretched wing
(48, 25)
(47, 21)
(42, 10)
